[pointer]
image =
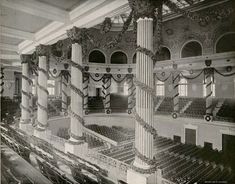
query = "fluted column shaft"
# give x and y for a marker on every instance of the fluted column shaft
(85, 90)
(144, 100)
(42, 92)
(175, 81)
(25, 110)
(106, 92)
(64, 86)
(31, 97)
(1, 82)
(208, 80)
(76, 126)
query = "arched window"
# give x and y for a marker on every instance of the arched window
(183, 87)
(134, 58)
(164, 54)
(96, 57)
(191, 49)
(160, 88)
(212, 89)
(118, 58)
(226, 43)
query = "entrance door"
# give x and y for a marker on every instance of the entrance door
(190, 136)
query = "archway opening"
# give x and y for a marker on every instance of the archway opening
(226, 43)
(118, 58)
(164, 54)
(134, 58)
(96, 57)
(191, 49)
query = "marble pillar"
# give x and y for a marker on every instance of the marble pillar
(25, 98)
(143, 171)
(42, 101)
(76, 143)
(144, 100)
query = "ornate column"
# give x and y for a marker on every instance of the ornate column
(143, 169)
(76, 143)
(25, 97)
(131, 92)
(106, 91)
(31, 97)
(42, 116)
(85, 92)
(175, 81)
(1, 82)
(208, 76)
(64, 101)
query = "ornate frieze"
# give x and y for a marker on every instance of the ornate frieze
(25, 58)
(42, 50)
(144, 8)
(77, 35)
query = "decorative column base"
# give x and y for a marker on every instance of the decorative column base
(134, 177)
(78, 148)
(24, 124)
(208, 117)
(175, 115)
(42, 133)
(108, 111)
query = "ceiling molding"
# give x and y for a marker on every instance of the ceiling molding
(10, 57)
(38, 9)
(96, 16)
(85, 7)
(8, 47)
(14, 33)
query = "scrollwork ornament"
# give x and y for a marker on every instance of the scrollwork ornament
(77, 35)
(42, 50)
(106, 25)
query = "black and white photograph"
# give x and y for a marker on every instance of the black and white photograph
(117, 91)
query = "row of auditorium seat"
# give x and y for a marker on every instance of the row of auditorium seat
(181, 163)
(111, 133)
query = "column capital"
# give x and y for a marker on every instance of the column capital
(144, 8)
(25, 58)
(42, 50)
(77, 35)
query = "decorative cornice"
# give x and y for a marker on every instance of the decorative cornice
(42, 50)
(25, 58)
